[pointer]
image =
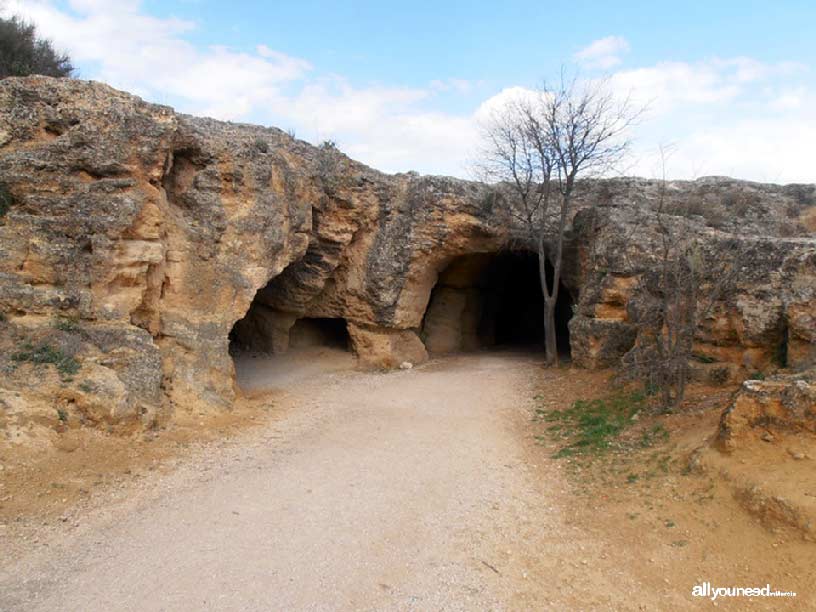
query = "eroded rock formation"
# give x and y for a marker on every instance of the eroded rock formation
(135, 238)
(782, 404)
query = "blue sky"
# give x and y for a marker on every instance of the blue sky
(730, 86)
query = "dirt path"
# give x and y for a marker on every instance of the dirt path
(413, 490)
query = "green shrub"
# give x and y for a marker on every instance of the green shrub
(47, 354)
(23, 53)
(65, 324)
(261, 145)
(655, 434)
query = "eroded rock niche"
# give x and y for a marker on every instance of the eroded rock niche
(265, 329)
(492, 300)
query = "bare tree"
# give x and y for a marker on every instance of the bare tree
(537, 147)
(675, 297)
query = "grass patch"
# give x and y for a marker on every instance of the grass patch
(47, 354)
(65, 324)
(592, 426)
(654, 434)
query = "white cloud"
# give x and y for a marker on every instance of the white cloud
(505, 98)
(603, 53)
(737, 116)
(149, 56)
(766, 149)
(667, 86)
(789, 100)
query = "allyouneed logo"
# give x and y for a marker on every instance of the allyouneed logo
(706, 590)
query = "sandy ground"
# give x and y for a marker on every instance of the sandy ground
(413, 490)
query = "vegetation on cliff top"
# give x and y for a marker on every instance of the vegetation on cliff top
(22, 52)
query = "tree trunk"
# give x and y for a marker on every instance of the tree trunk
(550, 339)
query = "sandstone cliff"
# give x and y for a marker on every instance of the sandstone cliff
(135, 242)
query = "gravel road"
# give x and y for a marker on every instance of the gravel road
(410, 490)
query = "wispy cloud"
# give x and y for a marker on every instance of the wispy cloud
(151, 57)
(603, 53)
(737, 116)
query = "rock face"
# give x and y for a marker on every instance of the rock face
(766, 320)
(133, 239)
(762, 407)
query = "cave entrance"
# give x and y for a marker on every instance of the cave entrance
(493, 300)
(271, 348)
(312, 332)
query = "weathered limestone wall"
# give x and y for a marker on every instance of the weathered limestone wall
(137, 237)
(767, 318)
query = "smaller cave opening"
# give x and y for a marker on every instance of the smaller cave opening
(266, 330)
(315, 332)
(493, 300)
(272, 348)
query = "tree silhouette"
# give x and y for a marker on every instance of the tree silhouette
(23, 53)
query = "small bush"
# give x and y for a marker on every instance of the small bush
(23, 53)
(47, 354)
(6, 200)
(719, 375)
(739, 202)
(713, 213)
(329, 166)
(261, 145)
(804, 195)
(66, 324)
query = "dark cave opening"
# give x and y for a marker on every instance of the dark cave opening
(493, 300)
(327, 332)
(270, 347)
(266, 330)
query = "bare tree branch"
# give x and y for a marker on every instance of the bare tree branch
(538, 146)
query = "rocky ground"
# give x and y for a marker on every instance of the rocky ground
(431, 488)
